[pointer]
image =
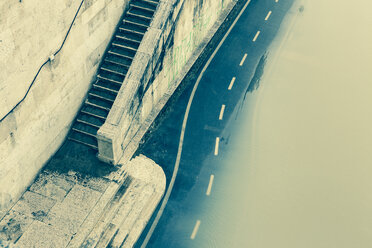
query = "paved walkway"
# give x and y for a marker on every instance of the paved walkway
(70, 210)
(54, 205)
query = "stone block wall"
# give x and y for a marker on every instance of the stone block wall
(30, 31)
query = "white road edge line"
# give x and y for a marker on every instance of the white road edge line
(195, 230)
(180, 145)
(243, 59)
(268, 15)
(222, 111)
(231, 83)
(216, 146)
(209, 189)
(256, 36)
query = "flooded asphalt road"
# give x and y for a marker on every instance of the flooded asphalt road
(293, 163)
(225, 88)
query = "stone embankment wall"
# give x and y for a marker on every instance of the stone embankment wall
(30, 31)
(178, 31)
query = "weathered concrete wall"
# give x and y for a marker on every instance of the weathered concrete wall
(30, 31)
(178, 29)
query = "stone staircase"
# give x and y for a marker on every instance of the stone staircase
(112, 71)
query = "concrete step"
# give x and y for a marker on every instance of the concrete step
(122, 71)
(85, 127)
(97, 108)
(140, 12)
(145, 4)
(138, 21)
(98, 96)
(125, 44)
(153, 2)
(129, 35)
(125, 239)
(127, 212)
(107, 84)
(83, 132)
(96, 111)
(117, 52)
(93, 120)
(103, 225)
(113, 68)
(100, 87)
(124, 51)
(98, 101)
(127, 220)
(83, 139)
(143, 7)
(86, 122)
(131, 216)
(132, 29)
(118, 60)
(143, 18)
(87, 111)
(135, 23)
(112, 77)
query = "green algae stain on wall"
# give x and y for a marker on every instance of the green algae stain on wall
(182, 50)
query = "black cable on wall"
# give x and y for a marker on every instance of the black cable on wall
(41, 67)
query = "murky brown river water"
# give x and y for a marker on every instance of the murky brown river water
(303, 146)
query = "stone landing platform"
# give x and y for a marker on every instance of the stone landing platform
(68, 210)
